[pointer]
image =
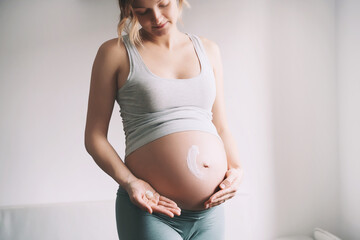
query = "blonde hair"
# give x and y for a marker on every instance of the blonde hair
(130, 24)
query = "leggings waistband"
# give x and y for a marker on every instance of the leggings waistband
(194, 213)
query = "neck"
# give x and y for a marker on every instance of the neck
(167, 41)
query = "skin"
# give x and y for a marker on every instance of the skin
(110, 70)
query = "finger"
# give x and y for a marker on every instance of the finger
(142, 204)
(231, 176)
(223, 198)
(218, 203)
(167, 204)
(163, 210)
(165, 199)
(221, 193)
(207, 202)
(228, 181)
(174, 209)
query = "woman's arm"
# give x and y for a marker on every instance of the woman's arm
(218, 109)
(100, 106)
(103, 89)
(230, 184)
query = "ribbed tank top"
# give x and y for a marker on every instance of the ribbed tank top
(152, 107)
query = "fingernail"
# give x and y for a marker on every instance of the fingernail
(207, 206)
(222, 185)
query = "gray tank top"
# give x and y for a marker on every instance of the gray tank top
(152, 106)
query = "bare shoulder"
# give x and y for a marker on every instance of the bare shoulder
(112, 46)
(111, 54)
(212, 49)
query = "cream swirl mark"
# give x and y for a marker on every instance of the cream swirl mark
(191, 161)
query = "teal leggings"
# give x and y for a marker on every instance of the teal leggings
(134, 223)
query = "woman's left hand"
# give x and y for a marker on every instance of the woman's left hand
(228, 188)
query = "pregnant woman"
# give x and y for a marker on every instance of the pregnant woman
(181, 162)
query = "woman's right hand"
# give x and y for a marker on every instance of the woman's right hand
(157, 203)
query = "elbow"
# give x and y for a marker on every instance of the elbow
(222, 130)
(89, 142)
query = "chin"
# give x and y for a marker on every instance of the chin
(161, 32)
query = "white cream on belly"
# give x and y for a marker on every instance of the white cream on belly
(192, 164)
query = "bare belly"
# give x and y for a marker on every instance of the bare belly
(186, 167)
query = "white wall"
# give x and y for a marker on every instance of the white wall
(348, 62)
(47, 50)
(281, 100)
(301, 48)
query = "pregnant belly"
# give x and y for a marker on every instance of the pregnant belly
(186, 167)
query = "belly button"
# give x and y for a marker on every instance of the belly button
(205, 165)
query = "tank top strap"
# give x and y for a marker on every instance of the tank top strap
(132, 53)
(136, 61)
(200, 49)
